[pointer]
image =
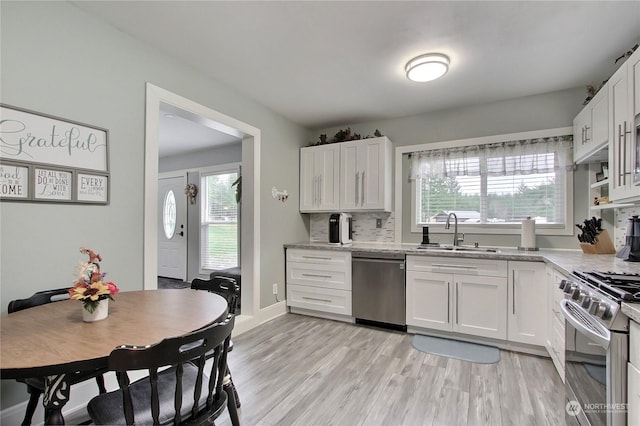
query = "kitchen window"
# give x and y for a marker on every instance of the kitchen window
(492, 187)
(219, 230)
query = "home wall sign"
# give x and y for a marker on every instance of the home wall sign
(51, 159)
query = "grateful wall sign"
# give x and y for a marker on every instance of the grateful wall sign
(51, 159)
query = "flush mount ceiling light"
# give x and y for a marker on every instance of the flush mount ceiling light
(427, 67)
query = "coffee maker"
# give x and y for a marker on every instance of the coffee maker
(631, 249)
(340, 228)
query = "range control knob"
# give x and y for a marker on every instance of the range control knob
(578, 294)
(593, 308)
(569, 287)
(603, 311)
(586, 300)
(563, 284)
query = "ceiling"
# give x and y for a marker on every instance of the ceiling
(329, 63)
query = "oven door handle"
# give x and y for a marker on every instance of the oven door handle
(585, 325)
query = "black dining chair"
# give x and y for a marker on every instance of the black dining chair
(35, 385)
(186, 392)
(229, 289)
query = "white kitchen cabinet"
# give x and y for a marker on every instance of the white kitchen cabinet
(452, 294)
(319, 280)
(633, 395)
(527, 301)
(633, 375)
(365, 170)
(555, 343)
(622, 111)
(591, 127)
(320, 178)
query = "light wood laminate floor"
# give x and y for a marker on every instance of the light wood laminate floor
(299, 370)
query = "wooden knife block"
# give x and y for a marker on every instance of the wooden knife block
(603, 245)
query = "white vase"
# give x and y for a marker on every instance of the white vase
(100, 313)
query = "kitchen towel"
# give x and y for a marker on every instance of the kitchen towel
(464, 351)
(528, 240)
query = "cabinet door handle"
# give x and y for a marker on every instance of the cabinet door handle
(620, 164)
(315, 190)
(320, 181)
(448, 302)
(624, 154)
(457, 303)
(316, 257)
(513, 290)
(362, 192)
(357, 188)
(316, 275)
(447, 265)
(316, 299)
(586, 134)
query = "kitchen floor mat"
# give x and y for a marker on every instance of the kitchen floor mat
(464, 351)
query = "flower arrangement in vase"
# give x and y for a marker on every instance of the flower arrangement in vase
(91, 288)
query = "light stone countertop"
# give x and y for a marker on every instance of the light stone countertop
(564, 260)
(632, 310)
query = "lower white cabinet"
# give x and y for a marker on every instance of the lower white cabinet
(319, 280)
(633, 375)
(555, 342)
(527, 302)
(449, 294)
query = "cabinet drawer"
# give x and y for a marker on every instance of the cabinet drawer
(457, 265)
(318, 275)
(319, 299)
(634, 343)
(339, 261)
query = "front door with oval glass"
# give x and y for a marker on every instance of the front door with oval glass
(172, 228)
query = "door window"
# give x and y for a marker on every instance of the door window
(169, 214)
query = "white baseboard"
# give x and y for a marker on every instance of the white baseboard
(245, 323)
(75, 410)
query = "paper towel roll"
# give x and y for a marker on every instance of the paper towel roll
(528, 240)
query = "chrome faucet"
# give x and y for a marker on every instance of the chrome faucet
(456, 240)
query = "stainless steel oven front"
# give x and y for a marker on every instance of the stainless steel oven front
(595, 369)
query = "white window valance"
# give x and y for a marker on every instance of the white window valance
(521, 157)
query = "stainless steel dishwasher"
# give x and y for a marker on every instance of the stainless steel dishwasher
(378, 289)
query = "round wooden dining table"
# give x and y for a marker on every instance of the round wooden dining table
(52, 340)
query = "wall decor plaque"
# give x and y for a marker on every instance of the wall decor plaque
(52, 184)
(52, 159)
(14, 181)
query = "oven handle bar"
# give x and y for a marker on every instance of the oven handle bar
(582, 325)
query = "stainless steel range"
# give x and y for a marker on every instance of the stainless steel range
(597, 346)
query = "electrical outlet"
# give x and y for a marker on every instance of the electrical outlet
(275, 288)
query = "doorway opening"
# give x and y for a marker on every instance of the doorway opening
(249, 219)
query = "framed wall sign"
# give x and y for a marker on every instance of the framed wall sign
(92, 188)
(52, 184)
(38, 138)
(14, 181)
(51, 159)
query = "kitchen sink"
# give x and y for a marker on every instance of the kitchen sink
(459, 248)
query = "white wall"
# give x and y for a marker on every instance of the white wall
(545, 111)
(55, 59)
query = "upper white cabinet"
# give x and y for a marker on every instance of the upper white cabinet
(527, 299)
(320, 178)
(623, 89)
(365, 169)
(346, 176)
(591, 127)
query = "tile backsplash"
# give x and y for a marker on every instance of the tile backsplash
(622, 216)
(364, 227)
